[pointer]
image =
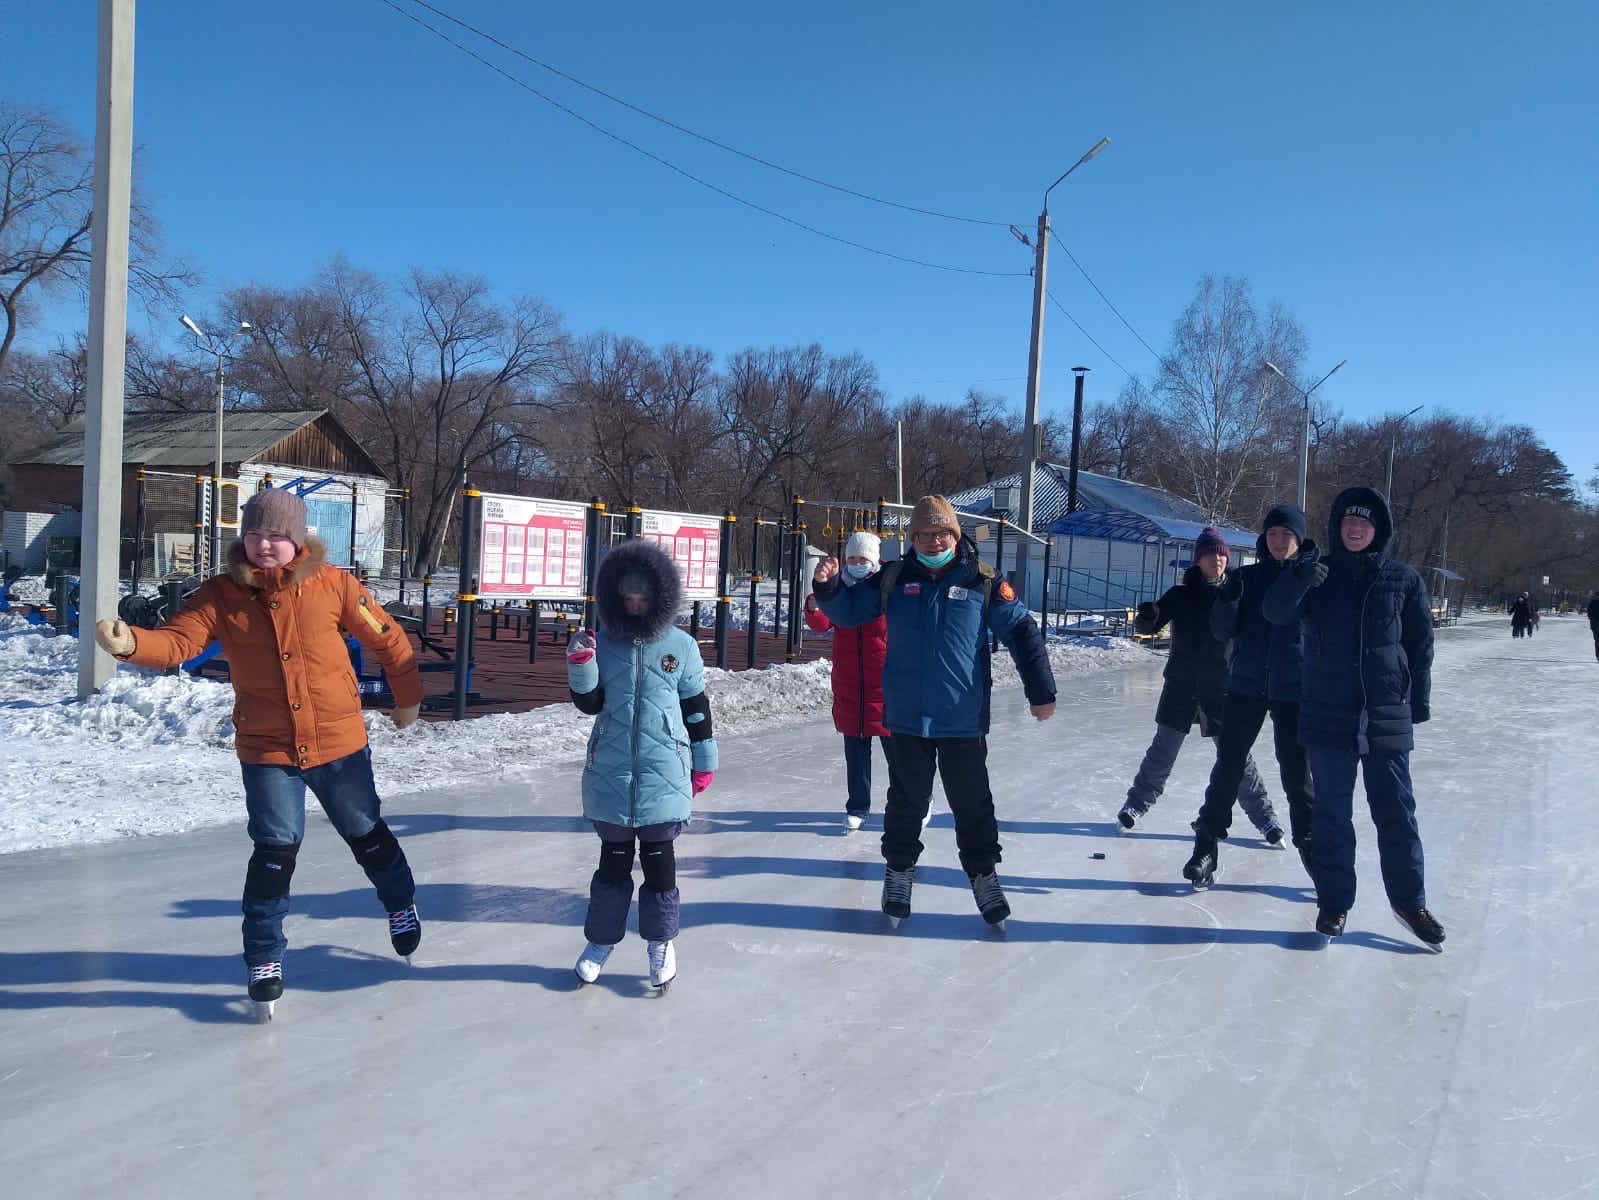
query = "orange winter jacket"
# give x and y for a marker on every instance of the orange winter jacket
(296, 700)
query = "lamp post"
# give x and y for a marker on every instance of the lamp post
(1393, 439)
(1035, 346)
(218, 347)
(1304, 434)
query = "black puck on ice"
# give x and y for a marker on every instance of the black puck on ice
(1097, 854)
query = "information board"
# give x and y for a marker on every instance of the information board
(695, 545)
(531, 549)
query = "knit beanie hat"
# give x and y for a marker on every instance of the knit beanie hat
(932, 513)
(275, 510)
(865, 545)
(1210, 542)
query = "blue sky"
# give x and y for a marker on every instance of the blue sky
(1418, 184)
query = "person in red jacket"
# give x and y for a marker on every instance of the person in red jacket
(858, 654)
(281, 611)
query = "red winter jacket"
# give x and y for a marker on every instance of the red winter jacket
(858, 655)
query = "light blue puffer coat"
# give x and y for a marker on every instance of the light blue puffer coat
(646, 684)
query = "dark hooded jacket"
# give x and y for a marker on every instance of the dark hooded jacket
(646, 682)
(1267, 660)
(1593, 615)
(1367, 639)
(1196, 669)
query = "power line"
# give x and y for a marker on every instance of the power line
(683, 129)
(1103, 297)
(690, 176)
(1086, 334)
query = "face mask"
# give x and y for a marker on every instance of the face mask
(935, 561)
(857, 573)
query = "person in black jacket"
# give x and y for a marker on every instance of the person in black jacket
(1521, 616)
(1593, 621)
(1368, 677)
(1263, 678)
(1196, 687)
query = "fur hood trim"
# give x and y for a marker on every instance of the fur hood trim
(311, 559)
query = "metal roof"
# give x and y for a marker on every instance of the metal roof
(1107, 507)
(182, 439)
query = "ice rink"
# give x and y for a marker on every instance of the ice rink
(1127, 1037)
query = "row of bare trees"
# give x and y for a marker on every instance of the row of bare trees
(444, 381)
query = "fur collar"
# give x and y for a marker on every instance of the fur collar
(312, 557)
(664, 577)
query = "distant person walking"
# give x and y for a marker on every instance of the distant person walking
(1593, 621)
(1521, 616)
(1368, 676)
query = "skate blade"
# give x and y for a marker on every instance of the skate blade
(893, 922)
(264, 1010)
(662, 987)
(997, 927)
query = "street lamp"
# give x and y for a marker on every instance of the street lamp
(1393, 438)
(1035, 346)
(1304, 434)
(218, 347)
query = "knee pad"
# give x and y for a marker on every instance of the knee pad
(660, 865)
(616, 862)
(375, 848)
(270, 869)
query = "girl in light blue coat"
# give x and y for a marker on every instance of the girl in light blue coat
(650, 753)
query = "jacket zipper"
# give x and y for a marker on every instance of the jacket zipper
(638, 709)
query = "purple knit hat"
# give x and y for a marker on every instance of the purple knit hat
(1210, 542)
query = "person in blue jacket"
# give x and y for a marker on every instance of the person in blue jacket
(1367, 629)
(943, 605)
(651, 750)
(1263, 676)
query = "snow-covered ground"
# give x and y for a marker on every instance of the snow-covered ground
(153, 753)
(1126, 1038)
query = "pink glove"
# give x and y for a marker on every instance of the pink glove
(581, 648)
(701, 780)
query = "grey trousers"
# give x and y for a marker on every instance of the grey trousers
(1161, 757)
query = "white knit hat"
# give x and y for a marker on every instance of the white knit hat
(866, 545)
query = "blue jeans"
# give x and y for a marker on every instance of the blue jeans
(274, 797)
(1332, 827)
(858, 773)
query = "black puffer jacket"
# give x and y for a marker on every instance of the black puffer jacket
(1593, 614)
(1267, 659)
(1196, 671)
(1367, 639)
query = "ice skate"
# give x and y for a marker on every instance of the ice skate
(592, 961)
(266, 986)
(853, 821)
(1129, 816)
(897, 893)
(1204, 864)
(1274, 837)
(991, 900)
(1424, 925)
(405, 930)
(663, 965)
(1330, 922)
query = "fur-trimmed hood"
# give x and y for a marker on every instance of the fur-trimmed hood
(666, 584)
(313, 556)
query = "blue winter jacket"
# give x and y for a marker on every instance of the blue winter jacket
(646, 682)
(1367, 639)
(1267, 659)
(937, 678)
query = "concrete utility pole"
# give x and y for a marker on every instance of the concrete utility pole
(1035, 353)
(108, 333)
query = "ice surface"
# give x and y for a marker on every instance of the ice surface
(1126, 1038)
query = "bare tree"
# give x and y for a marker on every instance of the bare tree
(1224, 414)
(46, 205)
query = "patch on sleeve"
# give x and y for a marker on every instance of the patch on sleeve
(1006, 592)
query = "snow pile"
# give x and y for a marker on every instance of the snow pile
(153, 753)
